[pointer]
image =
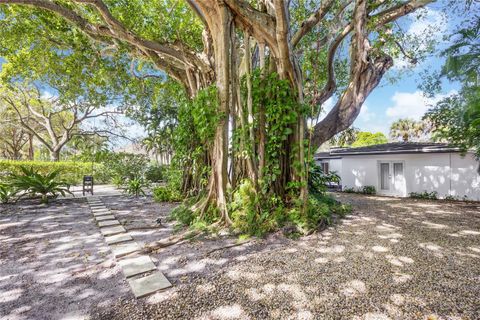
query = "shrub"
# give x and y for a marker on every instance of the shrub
(70, 172)
(318, 180)
(126, 165)
(369, 190)
(166, 194)
(118, 181)
(134, 187)
(424, 195)
(183, 215)
(155, 173)
(349, 190)
(34, 183)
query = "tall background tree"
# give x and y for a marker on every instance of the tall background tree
(408, 130)
(54, 121)
(272, 64)
(457, 117)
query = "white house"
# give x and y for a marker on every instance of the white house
(396, 169)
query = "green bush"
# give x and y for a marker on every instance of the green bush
(424, 195)
(369, 190)
(248, 214)
(70, 172)
(183, 215)
(349, 190)
(134, 187)
(166, 194)
(126, 165)
(318, 180)
(155, 173)
(33, 183)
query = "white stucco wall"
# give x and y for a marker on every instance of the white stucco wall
(446, 173)
(335, 165)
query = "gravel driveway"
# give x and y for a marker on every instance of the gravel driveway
(390, 259)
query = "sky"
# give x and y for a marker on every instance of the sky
(403, 98)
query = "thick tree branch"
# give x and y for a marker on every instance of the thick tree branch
(307, 25)
(260, 25)
(398, 11)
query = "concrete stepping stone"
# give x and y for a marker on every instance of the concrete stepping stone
(99, 209)
(138, 265)
(106, 217)
(118, 238)
(149, 284)
(120, 250)
(101, 213)
(108, 223)
(110, 231)
(100, 206)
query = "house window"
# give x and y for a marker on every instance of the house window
(324, 166)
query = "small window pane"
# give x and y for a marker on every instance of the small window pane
(398, 169)
(384, 176)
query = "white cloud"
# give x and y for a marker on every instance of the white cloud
(365, 115)
(412, 104)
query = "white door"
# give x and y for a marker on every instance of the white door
(391, 178)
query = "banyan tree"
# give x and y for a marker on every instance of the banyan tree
(273, 64)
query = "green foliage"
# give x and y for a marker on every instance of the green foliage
(424, 195)
(134, 187)
(183, 215)
(363, 190)
(345, 138)
(7, 192)
(369, 190)
(349, 189)
(318, 180)
(70, 172)
(247, 213)
(126, 165)
(155, 173)
(408, 130)
(254, 217)
(281, 111)
(166, 194)
(367, 139)
(319, 213)
(33, 183)
(457, 118)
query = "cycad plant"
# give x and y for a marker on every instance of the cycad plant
(34, 183)
(7, 192)
(135, 187)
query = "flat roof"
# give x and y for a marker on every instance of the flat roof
(390, 148)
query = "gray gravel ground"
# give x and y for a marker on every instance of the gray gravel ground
(391, 259)
(54, 263)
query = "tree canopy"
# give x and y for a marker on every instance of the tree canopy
(253, 72)
(457, 118)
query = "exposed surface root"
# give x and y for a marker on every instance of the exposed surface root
(228, 246)
(187, 235)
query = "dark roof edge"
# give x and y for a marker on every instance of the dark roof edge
(413, 151)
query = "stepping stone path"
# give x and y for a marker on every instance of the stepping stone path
(140, 271)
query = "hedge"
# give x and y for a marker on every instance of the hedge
(71, 172)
